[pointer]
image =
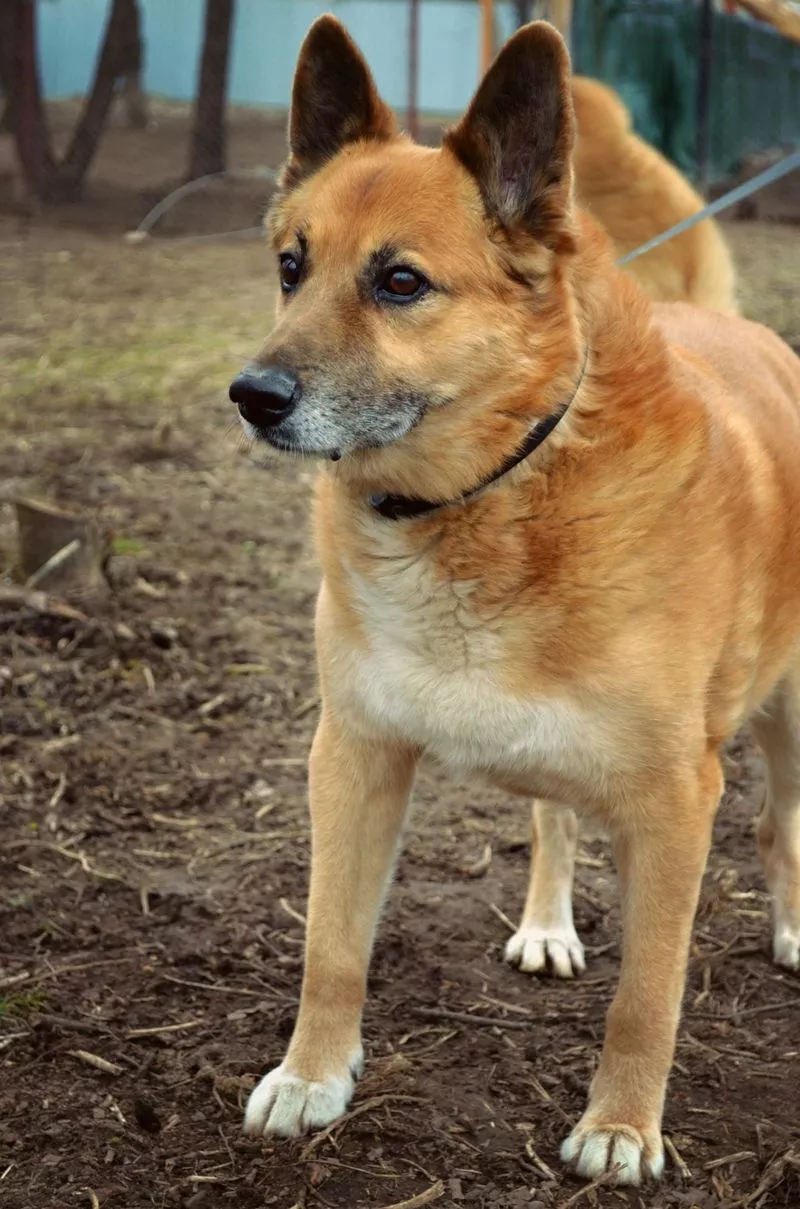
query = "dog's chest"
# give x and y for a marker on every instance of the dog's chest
(435, 674)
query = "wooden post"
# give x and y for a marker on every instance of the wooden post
(59, 548)
(487, 35)
(560, 15)
(413, 68)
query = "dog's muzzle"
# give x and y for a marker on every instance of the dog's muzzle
(265, 395)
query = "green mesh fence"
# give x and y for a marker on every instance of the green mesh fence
(648, 50)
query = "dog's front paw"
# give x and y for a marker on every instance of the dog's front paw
(286, 1105)
(630, 1154)
(538, 950)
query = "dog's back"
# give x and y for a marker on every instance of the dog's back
(636, 194)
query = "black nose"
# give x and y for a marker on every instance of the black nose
(265, 396)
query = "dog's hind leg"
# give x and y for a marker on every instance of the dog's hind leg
(777, 728)
(546, 939)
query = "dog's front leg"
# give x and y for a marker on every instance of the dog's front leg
(660, 861)
(358, 793)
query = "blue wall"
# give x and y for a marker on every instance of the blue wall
(266, 39)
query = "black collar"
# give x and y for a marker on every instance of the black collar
(401, 507)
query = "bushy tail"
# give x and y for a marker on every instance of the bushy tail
(713, 283)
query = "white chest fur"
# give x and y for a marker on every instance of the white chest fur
(432, 675)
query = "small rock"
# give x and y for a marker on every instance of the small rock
(197, 1199)
(164, 636)
(146, 1117)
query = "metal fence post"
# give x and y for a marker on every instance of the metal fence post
(704, 70)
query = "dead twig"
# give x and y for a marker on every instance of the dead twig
(422, 1198)
(677, 1158)
(544, 1094)
(468, 1018)
(608, 1177)
(221, 987)
(40, 602)
(368, 1106)
(82, 860)
(13, 979)
(53, 563)
(108, 1068)
(741, 1156)
(763, 1008)
(495, 910)
(81, 966)
(508, 1007)
(173, 821)
(539, 1162)
(159, 1029)
(773, 1174)
(57, 793)
(290, 910)
(74, 1026)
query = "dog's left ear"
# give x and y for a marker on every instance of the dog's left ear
(516, 138)
(334, 101)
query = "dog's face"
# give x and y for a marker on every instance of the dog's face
(416, 284)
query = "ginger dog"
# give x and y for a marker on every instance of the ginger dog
(559, 529)
(636, 194)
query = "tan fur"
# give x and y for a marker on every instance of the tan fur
(587, 631)
(636, 194)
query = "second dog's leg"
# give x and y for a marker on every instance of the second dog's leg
(777, 728)
(546, 938)
(358, 794)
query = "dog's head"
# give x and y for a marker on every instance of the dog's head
(425, 313)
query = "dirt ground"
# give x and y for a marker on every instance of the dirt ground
(152, 816)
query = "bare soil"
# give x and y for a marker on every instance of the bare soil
(152, 807)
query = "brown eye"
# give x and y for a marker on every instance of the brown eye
(402, 285)
(289, 272)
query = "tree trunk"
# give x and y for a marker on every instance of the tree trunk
(19, 76)
(66, 182)
(209, 133)
(134, 97)
(9, 42)
(120, 55)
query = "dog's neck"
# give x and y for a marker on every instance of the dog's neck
(404, 507)
(394, 508)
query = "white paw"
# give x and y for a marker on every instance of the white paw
(537, 950)
(786, 947)
(288, 1105)
(594, 1150)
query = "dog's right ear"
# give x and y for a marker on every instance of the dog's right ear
(334, 101)
(516, 138)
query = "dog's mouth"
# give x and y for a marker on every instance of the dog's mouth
(333, 432)
(282, 444)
